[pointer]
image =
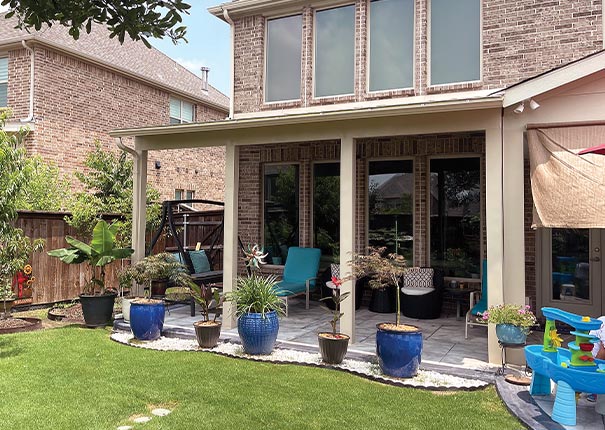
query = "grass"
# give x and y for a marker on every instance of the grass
(75, 378)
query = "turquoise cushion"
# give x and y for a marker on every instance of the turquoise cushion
(177, 257)
(200, 261)
(289, 288)
(302, 264)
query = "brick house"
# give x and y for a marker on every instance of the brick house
(337, 105)
(71, 93)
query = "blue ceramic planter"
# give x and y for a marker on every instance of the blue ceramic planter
(258, 334)
(147, 319)
(509, 333)
(399, 353)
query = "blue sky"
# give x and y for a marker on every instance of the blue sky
(209, 44)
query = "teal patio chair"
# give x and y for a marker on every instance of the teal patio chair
(480, 306)
(300, 273)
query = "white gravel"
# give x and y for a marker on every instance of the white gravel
(424, 379)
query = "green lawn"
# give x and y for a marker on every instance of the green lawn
(74, 378)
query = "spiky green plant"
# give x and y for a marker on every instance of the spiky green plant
(256, 294)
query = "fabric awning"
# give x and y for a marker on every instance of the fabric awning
(568, 189)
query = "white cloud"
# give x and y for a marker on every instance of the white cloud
(193, 65)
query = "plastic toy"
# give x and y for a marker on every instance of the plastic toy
(573, 369)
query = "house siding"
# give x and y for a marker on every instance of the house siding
(77, 103)
(520, 39)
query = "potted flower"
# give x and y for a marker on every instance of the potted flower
(97, 301)
(513, 322)
(333, 345)
(398, 346)
(146, 315)
(207, 331)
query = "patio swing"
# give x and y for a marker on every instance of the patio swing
(200, 263)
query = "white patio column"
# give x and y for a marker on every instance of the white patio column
(139, 210)
(348, 153)
(230, 247)
(494, 226)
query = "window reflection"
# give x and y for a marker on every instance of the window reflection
(326, 209)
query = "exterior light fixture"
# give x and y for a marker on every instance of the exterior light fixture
(533, 104)
(158, 164)
(519, 109)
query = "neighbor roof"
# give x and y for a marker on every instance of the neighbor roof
(131, 57)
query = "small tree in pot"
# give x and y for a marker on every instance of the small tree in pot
(97, 301)
(333, 345)
(398, 346)
(207, 331)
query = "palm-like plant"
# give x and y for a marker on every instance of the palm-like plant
(100, 252)
(156, 267)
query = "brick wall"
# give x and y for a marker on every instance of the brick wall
(520, 39)
(419, 148)
(77, 103)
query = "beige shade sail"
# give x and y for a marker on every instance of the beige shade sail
(568, 189)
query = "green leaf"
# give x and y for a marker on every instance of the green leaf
(86, 249)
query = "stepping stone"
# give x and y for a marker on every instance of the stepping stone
(141, 420)
(124, 428)
(160, 412)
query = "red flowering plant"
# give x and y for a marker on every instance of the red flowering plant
(337, 297)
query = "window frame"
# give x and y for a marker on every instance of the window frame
(368, 54)
(181, 120)
(314, 95)
(6, 81)
(302, 66)
(482, 214)
(181, 191)
(367, 198)
(429, 53)
(262, 197)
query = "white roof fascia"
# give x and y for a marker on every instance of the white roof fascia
(250, 7)
(492, 102)
(554, 79)
(373, 104)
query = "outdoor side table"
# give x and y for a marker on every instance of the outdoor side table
(459, 294)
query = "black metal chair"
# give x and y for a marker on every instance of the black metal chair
(422, 293)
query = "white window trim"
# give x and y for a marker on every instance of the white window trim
(369, 54)
(314, 78)
(428, 51)
(181, 120)
(302, 38)
(6, 81)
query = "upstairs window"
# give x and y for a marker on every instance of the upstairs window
(180, 111)
(455, 41)
(3, 82)
(190, 195)
(178, 194)
(391, 44)
(283, 59)
(334, 51)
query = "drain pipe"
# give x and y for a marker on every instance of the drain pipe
(232, 24)
(32, 57)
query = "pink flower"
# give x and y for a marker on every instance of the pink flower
(521, 311)
(485, 316)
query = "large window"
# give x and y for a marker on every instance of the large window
(455, 202)
(283, 51)
(3, 82)
(280, 211)
(326, 209)
(391, 207)
(180, 111)
(391, 44)
(455, 41)
(334, 51)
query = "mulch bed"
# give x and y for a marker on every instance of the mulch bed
(71, 313)
(16, 325)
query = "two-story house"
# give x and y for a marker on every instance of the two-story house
(415, 124)
(71, 93)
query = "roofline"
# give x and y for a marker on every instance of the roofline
(247, 7)
(320, 117)
(554, 78)
(32, 37)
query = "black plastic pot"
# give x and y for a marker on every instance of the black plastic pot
(158, 287)
(207, 335)
(333, 350)
(383, 300)
(97, 310)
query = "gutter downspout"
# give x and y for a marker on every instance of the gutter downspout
(232, 24)
(32, 57)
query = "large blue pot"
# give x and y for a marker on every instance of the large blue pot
(147, 319)
(509, 333)
(399, 353)
(258, 334)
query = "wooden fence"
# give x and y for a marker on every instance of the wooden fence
(56, 281)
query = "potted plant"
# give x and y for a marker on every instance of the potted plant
(97, 301)
(513, 322)
(398, 346)
(146, 315)
(207, 332)
(333, 345)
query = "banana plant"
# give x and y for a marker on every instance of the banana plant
(101, 251)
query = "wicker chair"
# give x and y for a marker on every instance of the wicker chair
(421, 294)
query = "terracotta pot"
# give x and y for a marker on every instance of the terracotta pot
(207, 333)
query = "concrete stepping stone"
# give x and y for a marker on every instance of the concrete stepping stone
(124, 428)
(160, 412)
(142, 420)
